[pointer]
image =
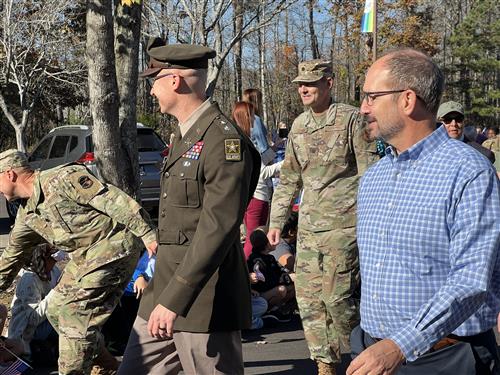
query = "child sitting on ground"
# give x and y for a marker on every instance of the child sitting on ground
(273, 282)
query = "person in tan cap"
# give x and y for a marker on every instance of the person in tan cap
(451, 114)
(99, 225)
(326, 154)
(197, 302)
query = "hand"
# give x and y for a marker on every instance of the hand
(274, 236)
(139, 286)
(161, 322)
(382, 358)
(152, 247)
(253, 278)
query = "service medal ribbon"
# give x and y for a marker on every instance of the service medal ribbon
(195, 151)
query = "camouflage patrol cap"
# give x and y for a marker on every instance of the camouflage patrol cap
(313, 70)
(175, 56)
(12, 159)
(449, 107)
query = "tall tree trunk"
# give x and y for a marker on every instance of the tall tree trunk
(18, 127)
(238, 48)
(262, 66)
(128, 30)
(103, 93)
(314, 39)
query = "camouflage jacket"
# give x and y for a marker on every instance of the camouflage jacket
(73, 210)
(494, 146)
(327, 161)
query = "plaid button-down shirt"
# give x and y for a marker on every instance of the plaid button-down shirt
(428, 237)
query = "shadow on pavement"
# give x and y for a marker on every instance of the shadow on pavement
(299, 366)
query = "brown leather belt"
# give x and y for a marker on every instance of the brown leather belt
(444, 342)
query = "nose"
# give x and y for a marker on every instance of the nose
(365, 108)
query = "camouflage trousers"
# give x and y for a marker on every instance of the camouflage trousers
(327, 279)
(79, 307)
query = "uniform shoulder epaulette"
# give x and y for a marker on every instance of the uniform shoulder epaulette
(226, 126)
(232, 138)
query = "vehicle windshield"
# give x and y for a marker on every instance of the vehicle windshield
(148, 140)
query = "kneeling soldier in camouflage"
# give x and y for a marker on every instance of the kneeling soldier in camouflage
(98, 224)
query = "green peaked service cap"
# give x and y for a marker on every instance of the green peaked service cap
(175, 56)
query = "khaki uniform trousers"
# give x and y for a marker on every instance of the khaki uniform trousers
(194, 353)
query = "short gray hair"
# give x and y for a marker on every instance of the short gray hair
(414, 70)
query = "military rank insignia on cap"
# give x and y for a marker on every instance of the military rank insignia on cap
(233, 149)
(195, 151)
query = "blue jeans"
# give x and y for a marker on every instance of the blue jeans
(259, 308)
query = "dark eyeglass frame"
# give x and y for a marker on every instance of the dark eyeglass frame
(152, 80)
(370, 96)
(448, 120)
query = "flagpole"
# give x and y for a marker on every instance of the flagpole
(374, 46)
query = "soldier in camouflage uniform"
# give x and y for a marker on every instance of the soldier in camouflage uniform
(326, 154)
(98, 224)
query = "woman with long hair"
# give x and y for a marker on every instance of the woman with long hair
(258, 134)
(243, 116)
(257, 211)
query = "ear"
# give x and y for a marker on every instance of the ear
(11, 175)
(409, 100)
(329, 81)
(176, 81)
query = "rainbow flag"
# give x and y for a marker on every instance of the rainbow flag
(368, 19)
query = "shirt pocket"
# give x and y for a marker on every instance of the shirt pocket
(184, 188)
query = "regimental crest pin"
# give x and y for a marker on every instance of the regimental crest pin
(195, 151)
(232, 149)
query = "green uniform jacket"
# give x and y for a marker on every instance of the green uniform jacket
(327, 161)
(200, 270)
(74, 211)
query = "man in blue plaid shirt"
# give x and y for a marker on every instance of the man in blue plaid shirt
(428, 234)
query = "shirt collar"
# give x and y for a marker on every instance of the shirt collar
(193, 117)
(421, 149)
(33, 201)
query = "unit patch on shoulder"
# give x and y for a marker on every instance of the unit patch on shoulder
(232, 149)
(85, 182)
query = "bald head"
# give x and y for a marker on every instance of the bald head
(411, 69)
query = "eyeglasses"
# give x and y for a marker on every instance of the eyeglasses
(371, 96)
(449, 120)
(152, 80)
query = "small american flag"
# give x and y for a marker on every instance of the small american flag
(16, 368)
